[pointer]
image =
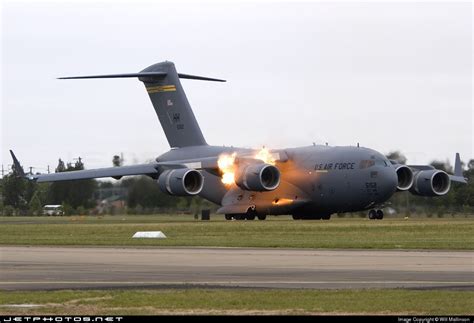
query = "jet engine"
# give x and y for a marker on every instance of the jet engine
(405, 177)
(431, 183)
(258, 177)
(181, 182)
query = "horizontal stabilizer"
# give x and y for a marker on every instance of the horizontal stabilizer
(145, 75)
(113, 76)
(201, 78)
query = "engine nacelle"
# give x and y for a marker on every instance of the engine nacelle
(431, 183)
(258, 177)
(405, 177)
(181, 182)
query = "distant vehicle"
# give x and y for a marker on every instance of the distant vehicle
(310, 182)
(53, 210)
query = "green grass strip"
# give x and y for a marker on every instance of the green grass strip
(333, 234)
(240, 301)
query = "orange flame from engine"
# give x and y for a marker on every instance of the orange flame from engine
(226, 164)
(265, 155)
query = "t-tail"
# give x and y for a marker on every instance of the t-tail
(169, 100)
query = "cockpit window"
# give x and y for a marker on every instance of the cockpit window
(380, 162)
(366, 163)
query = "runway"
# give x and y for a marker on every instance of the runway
(46, 268)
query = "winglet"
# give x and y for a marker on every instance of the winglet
(457, 166)
(18, 169)
(458, 176)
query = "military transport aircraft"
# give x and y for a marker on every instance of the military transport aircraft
(307, 182)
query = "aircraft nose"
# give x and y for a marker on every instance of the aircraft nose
(388, 182)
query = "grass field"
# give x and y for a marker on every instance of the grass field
(232, 301)
(275, 232)
(453, 233)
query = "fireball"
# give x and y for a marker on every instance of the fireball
(265, 155)
(226, 164)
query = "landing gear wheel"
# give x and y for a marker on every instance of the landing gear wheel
(379, 214)
(250, 216)
(261, 217)
(296, 217)
(326, 216)
(372, 214)
(229, 217)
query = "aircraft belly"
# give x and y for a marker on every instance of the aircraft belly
(214, 190)
(280, 201)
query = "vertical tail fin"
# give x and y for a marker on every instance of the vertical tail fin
(169, 100)
(172, 106)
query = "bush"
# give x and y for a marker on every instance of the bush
(81, 210)
(9, 210)
(68, 210)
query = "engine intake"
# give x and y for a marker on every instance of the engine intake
(405, 177)
(181, 182)
(431, 183)
(259, 177)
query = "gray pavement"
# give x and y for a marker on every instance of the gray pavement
(45, 268)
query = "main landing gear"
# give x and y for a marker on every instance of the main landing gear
(245, 216)
(311, 217)
(375, 214)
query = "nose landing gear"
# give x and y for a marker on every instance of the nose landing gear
(375, 214)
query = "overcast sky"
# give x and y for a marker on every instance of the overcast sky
(392, 76)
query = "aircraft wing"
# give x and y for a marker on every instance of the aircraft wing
(115, 172)
(151, 169)
(456, 177)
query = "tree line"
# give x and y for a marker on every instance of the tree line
(141, 194)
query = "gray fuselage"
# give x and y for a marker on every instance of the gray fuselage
(314, 180)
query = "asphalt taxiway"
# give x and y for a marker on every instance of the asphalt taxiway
(45, 268)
